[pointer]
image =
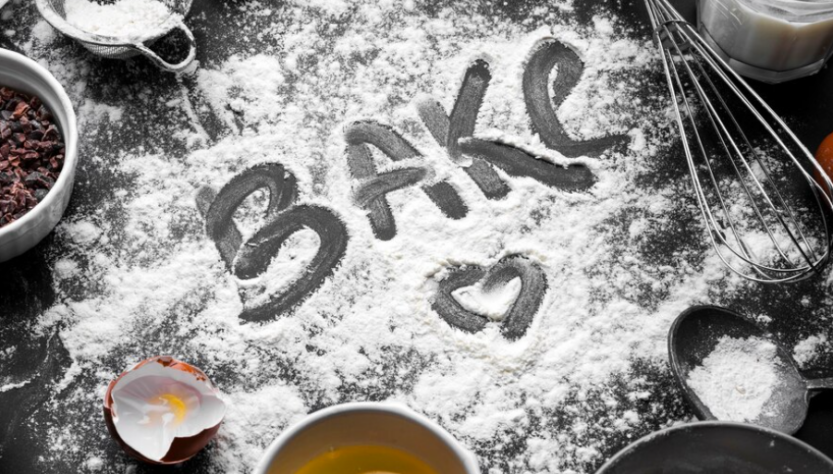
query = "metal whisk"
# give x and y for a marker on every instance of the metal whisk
(751, 175)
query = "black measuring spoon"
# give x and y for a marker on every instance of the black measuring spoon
(694, 335)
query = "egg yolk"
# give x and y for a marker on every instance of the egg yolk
(365, 459)
(174, 404)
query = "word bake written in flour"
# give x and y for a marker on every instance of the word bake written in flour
(283, 219)
(454, 133)
(478, 158)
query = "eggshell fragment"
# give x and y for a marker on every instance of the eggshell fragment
(168, 446)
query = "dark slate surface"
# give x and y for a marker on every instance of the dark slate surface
(26, 287)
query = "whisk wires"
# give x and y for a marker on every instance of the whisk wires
(749, 208)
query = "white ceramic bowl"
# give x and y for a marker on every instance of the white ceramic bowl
(367, 423)
(21, 73)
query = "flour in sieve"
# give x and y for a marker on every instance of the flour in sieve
(121, 19)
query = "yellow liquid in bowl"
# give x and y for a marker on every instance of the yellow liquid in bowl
(366, 460)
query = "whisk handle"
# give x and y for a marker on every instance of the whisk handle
(180, 66)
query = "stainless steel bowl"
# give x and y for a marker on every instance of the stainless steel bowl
(718, 447)
(23, 74)
(367, 423)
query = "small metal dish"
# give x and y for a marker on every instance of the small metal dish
(123, 47)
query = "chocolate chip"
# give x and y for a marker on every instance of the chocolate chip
(51, 133)
(31, 153)
(44, 114)
(32, 178)
(20, 110)
(26, 125)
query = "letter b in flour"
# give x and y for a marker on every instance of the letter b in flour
(251, 258)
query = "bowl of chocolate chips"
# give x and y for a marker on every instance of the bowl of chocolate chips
(38, 153)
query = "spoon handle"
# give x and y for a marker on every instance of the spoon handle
(820, 384)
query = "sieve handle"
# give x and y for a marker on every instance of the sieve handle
(180, 66)
(820, 384)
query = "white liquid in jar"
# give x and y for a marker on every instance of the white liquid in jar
(777, 35)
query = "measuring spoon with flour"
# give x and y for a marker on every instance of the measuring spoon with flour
(762, 379)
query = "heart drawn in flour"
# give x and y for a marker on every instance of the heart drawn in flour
(471, 296)
(284, 218)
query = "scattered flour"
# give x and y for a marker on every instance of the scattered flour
(65, 268)
(122, 19)
(588, 376)
(94, 464)
(82, 232)
(43, 32)
(736, 379)
(492, 303)
(10, 386)
(809, 348)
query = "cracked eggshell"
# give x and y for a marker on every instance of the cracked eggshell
(181, 448)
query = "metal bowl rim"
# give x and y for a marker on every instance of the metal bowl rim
(708, 425)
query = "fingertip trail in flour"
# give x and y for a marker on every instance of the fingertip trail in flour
(207, 121)
(450, 309)
(362, 168)
(448, 131)
(383, 183)
(533, 289)
(548, 54)
(250, 259)
(463, 118)
(433, 116)
(518, 318)
(373, 186)
(444, 196)
(516, 162)
(218, 215)
(383, 137)
(257, 253)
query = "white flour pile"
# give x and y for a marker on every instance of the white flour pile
(123, 18)
(736, 380)
(809, 348)
(492, 303)
(139, 277)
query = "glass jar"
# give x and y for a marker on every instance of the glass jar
(769, 40)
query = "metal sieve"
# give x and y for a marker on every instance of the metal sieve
(123, 47)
